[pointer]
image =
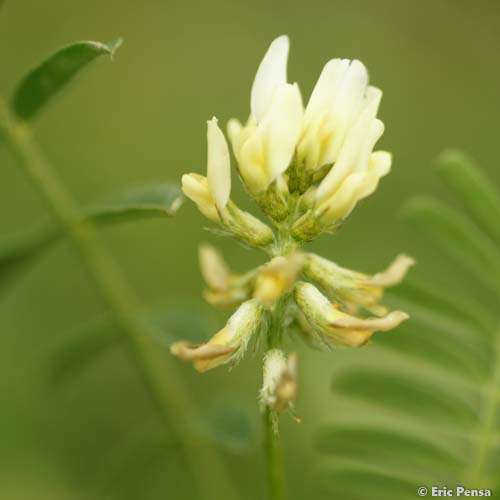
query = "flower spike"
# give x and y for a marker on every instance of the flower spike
(307, 168)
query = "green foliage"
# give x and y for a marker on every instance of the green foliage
(93, 339)
(230, 426)
(154, 200)
(17, 254)
(31, 94)
(422, 408)
(54, 73)
(86, 344)
(129, 465)
(122, 320)
(158, 200)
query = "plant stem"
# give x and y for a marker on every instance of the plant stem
(164, 384)
(272, 445)
(274, 457)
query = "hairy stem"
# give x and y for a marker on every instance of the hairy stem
(161, 379)
(274, 454)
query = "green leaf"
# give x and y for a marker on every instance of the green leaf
(348, 483)
(53, 74)
(362, 446)
(448, 304)
(457, 237)
(154, 200)
(19, 253)
(449, 350)
(230, 426)
(182, 322)
(423, 406)
(130, 463)
(97, 337)
(480, 197)
(400, 391)
(158, 200)
(88, 343)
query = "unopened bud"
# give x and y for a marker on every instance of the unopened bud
(274, 201)
(246, 227)
(279, 389)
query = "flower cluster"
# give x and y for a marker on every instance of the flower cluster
(306, 168)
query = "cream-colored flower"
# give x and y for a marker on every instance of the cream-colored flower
(337, 328)
(329, 209)
(306, 169)
(265, 146)
(226, 346)
(211, 193)
(353, 289)
(338, 100)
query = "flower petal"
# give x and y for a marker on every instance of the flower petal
(195, 187)
(392, 320)
(214, 269)
(271, 72)
(395, 273)
(228, 344)
(326, 88)
(351, 92)
(281, 128)
(380, 162)
(343, 201)
(218, 165)
(357, 145)
(198, 352)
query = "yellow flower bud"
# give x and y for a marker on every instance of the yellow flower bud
(277, 277)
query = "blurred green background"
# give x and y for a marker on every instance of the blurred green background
(142, 119)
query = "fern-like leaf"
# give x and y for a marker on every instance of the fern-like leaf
(423, 408)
